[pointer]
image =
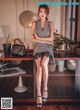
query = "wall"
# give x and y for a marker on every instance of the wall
(9, 17)
(55, 16)
(62, 26)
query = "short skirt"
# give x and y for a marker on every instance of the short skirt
(42, 54)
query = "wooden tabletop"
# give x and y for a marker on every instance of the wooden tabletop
(61, 55)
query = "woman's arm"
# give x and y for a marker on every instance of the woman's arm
(50, 38)
(33, 38)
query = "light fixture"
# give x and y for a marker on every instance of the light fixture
(27, 17)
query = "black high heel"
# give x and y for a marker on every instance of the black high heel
(44, 99)
(39, 105)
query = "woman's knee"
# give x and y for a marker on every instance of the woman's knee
(43, 64)
(39, 69)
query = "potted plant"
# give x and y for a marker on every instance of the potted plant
(60, 41)
(7, 46)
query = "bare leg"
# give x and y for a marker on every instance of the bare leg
(38, 79)
(44, 64)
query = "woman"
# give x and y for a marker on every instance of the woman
(42, 37)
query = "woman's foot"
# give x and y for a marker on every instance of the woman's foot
(44, 96)
(39, 102)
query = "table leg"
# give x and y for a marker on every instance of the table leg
(77, 76)
(34, 78)
(20, 87)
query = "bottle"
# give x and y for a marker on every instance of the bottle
(8, 39)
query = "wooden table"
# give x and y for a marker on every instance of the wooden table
(62, 55)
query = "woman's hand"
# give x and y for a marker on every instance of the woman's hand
(35, 35)
(50, 43)
(37, 38)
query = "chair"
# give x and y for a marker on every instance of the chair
(3, 66)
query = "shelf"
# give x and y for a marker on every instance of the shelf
(64, 73)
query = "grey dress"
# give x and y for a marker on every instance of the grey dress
(41, 49)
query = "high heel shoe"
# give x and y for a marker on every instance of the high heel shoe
(44, 99)
(39, 105)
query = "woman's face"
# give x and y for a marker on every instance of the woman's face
(42, 13)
